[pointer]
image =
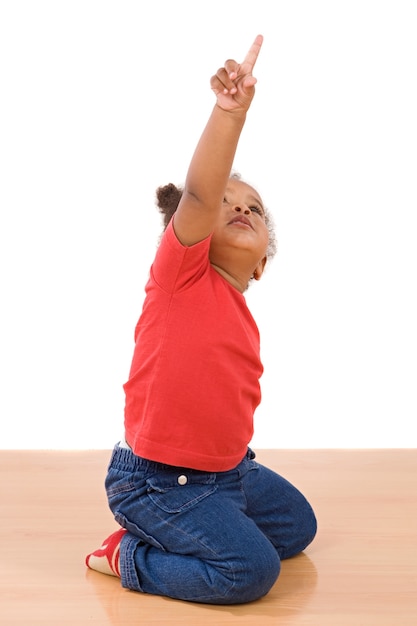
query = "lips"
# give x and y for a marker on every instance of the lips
(241, 219)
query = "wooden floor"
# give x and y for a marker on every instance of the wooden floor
(361, 569)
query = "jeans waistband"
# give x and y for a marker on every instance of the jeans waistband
(124, 459)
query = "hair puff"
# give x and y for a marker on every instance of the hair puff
(167, 200)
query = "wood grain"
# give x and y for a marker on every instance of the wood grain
(361, 570)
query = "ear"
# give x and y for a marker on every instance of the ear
(259, 269)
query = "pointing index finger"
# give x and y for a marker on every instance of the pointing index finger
(252, 55)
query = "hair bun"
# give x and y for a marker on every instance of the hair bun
(167, 200)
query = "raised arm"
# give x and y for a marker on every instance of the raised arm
(211, 164)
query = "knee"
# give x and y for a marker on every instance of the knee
(308, 526)
(254, 575)
(303, 532)
(262, 574)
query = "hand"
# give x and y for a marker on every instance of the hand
(234, 84)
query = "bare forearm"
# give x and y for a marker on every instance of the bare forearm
(213, 158)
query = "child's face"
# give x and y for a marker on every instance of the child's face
(241, 225)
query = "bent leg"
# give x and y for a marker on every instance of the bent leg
(279, 510)
(188, 534)
(213, 554)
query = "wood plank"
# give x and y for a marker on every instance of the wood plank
(361, 569)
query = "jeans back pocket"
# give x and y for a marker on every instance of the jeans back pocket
(178, 492)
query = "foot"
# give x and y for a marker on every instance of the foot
(106, 559)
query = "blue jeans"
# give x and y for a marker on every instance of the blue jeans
(205, 537)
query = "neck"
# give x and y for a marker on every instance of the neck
(238, 282)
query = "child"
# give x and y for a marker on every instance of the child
(200, 519)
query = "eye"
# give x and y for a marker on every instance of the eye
(257, 209)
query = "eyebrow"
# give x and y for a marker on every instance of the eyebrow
(250, 197)
(255, 199)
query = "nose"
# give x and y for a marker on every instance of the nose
(241, 209)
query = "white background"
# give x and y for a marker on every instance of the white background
(102, 101)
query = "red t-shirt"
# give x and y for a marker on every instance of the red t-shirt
(194, 380)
